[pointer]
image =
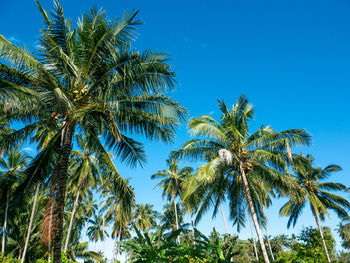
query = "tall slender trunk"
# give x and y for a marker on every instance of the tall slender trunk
(251, 230)
(176, 222)
(255, 219)
(72, 219)
(268, 242)
(115, 245)
(5, 224)
(61, 190)
(322, 237)
(50, 208)
(223, 217)
(103, 226)
(119, 239)
(30, 222)
(192, 224)
(50, 235)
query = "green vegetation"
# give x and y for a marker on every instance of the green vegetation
(82, 99)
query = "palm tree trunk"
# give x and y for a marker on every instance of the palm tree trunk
(322, 237)
(175, 210)
(50, 238)
(5, 224)
(72, 219)
(118, 245)
(251, 230)
(103, 231)
(50, 209)
(50, 234)
(30, 223)
(268, 242)
(255, 219)
(192, 224)
(115, 245)
(223, 217)
(119, 238)
(176, 222)
(68, 132)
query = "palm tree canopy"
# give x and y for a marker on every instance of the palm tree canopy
(172, 179)
(310, 188)
(12, 166)
(344, 232)
(227, 146)
(89, 79)
(96, 231)
(144, 217)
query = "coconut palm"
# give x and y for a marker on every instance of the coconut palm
(239, 153)
(24, 224)
(112, 208)
(5, 128)
(80, 251)
(85, 172)
(85, 211)
(13, 166)
(90, 81)
(172, 181)
(113, 211)
(344, 232)
(30, 222)
(121, 230)
(144, 217)
(167, 219)
(310, 190)
(96, 230)
(90, 208)
(202, 195)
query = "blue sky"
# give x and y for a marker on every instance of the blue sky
(290, 58)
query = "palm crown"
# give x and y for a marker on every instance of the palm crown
(311, 190)
(172, 183)
(144, 217)
(247, 159)
(88, 80)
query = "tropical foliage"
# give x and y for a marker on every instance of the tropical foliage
(88, 97)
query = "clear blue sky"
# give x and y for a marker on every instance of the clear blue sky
(291, 59)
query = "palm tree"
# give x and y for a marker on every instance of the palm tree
(144, 217)
(85, 171)
(281, 243)
(81, 251)
(90, 208)
(85, 211)
(172, 183)
(310, 190)
(96, 230)
(13, 166)
(30, 222)
(167, 219)
(344, 232)
(121, 230)
(18, 224)
(5, 128)
(90, 81)
(115, 212)
(200, 196)
(238, 153)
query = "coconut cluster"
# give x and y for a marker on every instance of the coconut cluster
(247, 162)
(55, 116)
(80, 94)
